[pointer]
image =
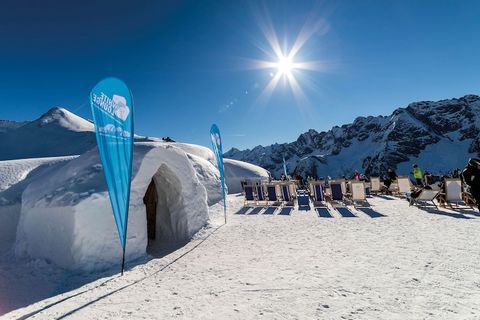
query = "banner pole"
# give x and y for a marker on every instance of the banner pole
(225, 210)
(123, 259)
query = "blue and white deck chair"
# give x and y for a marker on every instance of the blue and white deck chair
(249, 194)
(318, 196)
(271, 194)
(287, 198)
(337, 194)
(260, 193)
(303, 199)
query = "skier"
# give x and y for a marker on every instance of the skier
(417, 174)
(471, 176)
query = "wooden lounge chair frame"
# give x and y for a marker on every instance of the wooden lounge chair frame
(358, 194)
(425, 198)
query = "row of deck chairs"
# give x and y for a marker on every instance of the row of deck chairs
(341, 193)
(338, 194)
(452, 196)
(275, 193)
(399, 187)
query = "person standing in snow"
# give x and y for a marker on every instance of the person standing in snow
(417, 174)
(391, 176)
(471, 176)
(426, 178)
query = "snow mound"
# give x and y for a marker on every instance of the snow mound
(236, 171)
(67, 218)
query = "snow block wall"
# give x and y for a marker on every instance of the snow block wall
(15, 176)
(67, 219)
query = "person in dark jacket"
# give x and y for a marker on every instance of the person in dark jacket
(391, 176)
(471, 176)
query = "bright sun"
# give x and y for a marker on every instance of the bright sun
(284, 65)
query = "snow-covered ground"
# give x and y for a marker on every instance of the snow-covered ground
(390, 262)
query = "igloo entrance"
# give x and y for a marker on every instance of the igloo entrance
(165, 210)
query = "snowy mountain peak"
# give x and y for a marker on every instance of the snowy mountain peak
(65, 119)
(58, 132)
(438, 135)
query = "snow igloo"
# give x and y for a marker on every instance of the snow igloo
(66, 217)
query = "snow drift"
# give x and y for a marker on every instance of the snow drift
(236, 171)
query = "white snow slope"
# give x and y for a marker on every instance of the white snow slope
(392, 262)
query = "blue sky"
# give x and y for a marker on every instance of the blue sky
(185, 61)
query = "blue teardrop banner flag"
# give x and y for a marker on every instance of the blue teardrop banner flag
(112, 109)
(217, 149)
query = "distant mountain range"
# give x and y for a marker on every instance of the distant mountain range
(437, 135)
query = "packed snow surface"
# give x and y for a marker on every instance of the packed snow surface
(390, 262)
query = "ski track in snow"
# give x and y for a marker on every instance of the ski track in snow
(407, 264)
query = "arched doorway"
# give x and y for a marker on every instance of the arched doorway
(165, 213)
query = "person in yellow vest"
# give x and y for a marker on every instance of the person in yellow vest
(417, 174)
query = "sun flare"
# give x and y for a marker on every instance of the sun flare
(285, 62)
(284, 65)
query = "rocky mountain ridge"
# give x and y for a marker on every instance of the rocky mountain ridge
(438, 135)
